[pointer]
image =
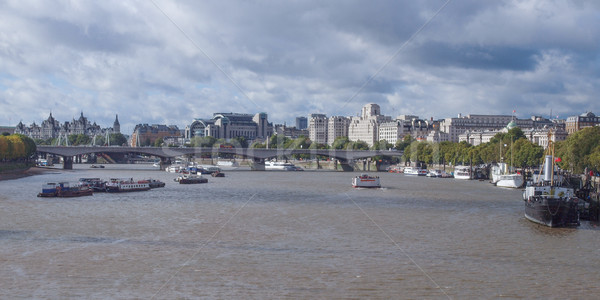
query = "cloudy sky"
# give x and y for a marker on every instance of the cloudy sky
(169, 62)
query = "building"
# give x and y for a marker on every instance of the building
(366, 127)
(7, 129)
(538, 136)
(230, 125)
(301, 123)
(337, 126)
(392, 131)
(52, 128)
(576, 123)
(289, 132)
(317, 128)
(146, 135)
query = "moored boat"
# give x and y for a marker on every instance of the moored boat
(120, 185)
(64, 189)
(548, 202)
(280, 166)
(96, 184)
(153, 183)
(191, 179)
(366, 181)
(415, 171)
(514, 180)
(462, 172)
(217, 174)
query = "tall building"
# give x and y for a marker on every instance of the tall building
(301, 123)
(231, 125)
(337, 126)
(366, 127)
(576, 123)
(317, 128)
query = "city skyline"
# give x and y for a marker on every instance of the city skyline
(160, 62)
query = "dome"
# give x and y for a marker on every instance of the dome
(511, 125)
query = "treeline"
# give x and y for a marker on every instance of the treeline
(580, 151)
(16, 147)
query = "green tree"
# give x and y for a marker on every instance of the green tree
(358, 145)
(340, 142)
(119, 139)
(575, 151)
(204, 141)
(159, 142)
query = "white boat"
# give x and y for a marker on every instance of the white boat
(280, 166)
(510, 180)
(415, 171)
(462, 172)
(366, 181)
(438, 173)
(228, 163)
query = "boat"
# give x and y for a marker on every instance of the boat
(96, 184)
(121, 185)
(228, 163)
(514, 180)
(549, 202)
(462, 172)
(153, 183)
(97, 166)
(280, 166)
(207, 170)
(366, 181)
(415, 171)
(217, 174)
(63, 189)
(191, 179)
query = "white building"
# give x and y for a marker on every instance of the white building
(392, 131)
(366, 127)
(317, 128)
(337, 126)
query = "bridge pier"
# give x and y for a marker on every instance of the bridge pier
(68, 162)
(163, 163)
(345, 164)
(258, 164)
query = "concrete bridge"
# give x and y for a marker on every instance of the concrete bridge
(256, 154)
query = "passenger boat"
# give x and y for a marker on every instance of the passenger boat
(462, 172)
(366, 181)
(415, 171)
(280, 166)
(120, 185)
(191, 179)
(63, 189)
(548, 202)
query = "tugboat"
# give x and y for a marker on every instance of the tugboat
(63, 189)
(548, 202)
(366, 181)
(217, 174)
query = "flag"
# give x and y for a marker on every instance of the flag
(514, 111)
(558, 159)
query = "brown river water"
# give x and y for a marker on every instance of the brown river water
(278, 235)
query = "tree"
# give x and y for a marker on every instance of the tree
(203, 141)
(340, 142)
(405, 142)
(575, 151)
(158, 142)
(358, 145)
(119, 139)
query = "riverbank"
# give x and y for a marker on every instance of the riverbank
(20, 173)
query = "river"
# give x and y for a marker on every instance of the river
(297, 235)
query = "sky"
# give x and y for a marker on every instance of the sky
(169, 62)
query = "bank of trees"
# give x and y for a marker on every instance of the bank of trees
(16, 147)
(580, 151)
(83, 140)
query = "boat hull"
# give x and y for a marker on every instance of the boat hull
(368, 182)
(552, 212)
(510, 181)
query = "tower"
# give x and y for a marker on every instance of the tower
(116, 125)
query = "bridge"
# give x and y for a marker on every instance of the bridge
(258, 155)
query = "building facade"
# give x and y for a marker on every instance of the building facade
(337, 126)
(301, 123)
(576, 123)
(52, 128)
(230, 125)
(146, 135)
(366, 127)
(318, 128)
